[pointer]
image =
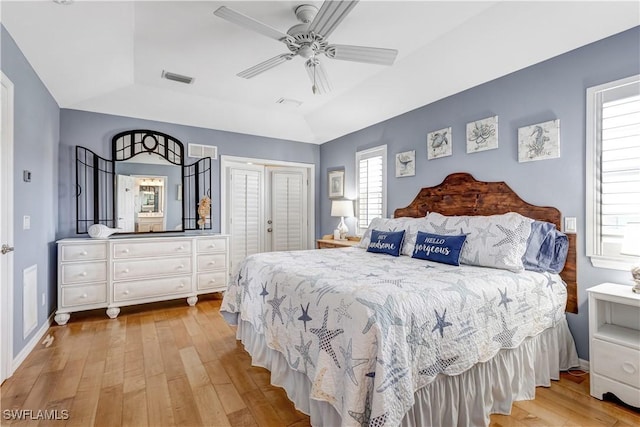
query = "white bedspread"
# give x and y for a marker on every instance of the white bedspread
(369, 329)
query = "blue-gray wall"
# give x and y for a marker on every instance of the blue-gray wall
(36, 135)
(94, 131)
(554, 89)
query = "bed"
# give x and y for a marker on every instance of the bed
(359, 338)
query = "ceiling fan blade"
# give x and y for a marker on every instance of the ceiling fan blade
(318, 76)
(266, 65)
(249, 23)
(331, 13)
(371, 55)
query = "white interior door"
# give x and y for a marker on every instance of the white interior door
(245, 211)
(6, 227)
(126, 203)
(286, 208)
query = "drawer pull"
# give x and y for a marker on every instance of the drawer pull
(212, 246)
(84, 296)
(125, 251)
(180, 267)
(628, 368)
(180, 248)
(126, 292)
(181, 285)
(126, 270)
(83, 274)
(212, 281)
(212, 263)
(83, 253)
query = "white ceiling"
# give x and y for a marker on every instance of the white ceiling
(108, 56)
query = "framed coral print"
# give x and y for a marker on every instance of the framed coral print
(439, 143)
(406, 163)
(336, 184)
(482, 135)
(539, 142)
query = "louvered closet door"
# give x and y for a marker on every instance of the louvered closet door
(245, 222)
(288, 208)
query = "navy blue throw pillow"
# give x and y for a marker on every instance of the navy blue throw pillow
(444, 249)
(386, 242)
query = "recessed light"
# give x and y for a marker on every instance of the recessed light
(63, 2)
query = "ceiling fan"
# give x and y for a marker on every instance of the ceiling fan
(309, 40)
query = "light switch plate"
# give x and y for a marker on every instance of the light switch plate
(26, 222)
(570, 224)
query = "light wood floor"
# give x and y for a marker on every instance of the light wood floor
(169, 364)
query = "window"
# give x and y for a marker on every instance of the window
(613, 169)
(371, 185)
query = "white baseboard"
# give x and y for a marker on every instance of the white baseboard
(584, 365)
(33, 342)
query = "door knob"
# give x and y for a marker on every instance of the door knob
(6, 249)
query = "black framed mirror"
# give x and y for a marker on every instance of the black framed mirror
(145, 187)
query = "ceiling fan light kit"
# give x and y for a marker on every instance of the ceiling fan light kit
(309, 40)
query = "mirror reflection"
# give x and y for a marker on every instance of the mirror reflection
(148, 195)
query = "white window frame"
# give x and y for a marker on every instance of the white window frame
(593, 236)
(380, 150)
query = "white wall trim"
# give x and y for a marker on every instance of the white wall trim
(226, 161)
(584, 365)
(31, 345)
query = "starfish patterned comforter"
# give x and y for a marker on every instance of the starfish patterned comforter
(369, 330)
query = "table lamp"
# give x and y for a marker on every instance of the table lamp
(342, 208)
(631, 246)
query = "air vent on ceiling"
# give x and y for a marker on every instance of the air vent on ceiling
(289, 101)
(177, 77)
(199, 151)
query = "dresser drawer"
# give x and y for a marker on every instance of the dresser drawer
(153, 288)
(84, 295)
(212, 244)
(151, 249)
(125, 270)
(83, 272)
(617, 362)
(83, 252)
(214, 280)
(212, 262)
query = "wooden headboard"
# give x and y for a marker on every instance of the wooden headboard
(461, 194)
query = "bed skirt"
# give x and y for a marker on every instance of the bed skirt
(463, 400)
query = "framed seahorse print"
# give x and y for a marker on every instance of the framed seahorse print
(539, 142)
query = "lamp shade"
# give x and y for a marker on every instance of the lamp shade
(631, 242)
(342, 208)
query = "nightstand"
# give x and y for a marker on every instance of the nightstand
(328, 242)
(614, 336)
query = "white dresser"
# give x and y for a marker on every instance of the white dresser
(614, 331)
(121, 271)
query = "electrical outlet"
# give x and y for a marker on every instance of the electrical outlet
(570, 224)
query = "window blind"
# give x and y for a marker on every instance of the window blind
(371, 175)
(619, 166)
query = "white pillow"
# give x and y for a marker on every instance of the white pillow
(410, 225)
(497, 241)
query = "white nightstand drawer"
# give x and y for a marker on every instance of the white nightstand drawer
(150, 268)
(212, 244)
(83, 252)
(212, 262)
(143, 289)
(151, 249)
(83, 272)
(84, 295)
(216, 280)
(617, 362)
